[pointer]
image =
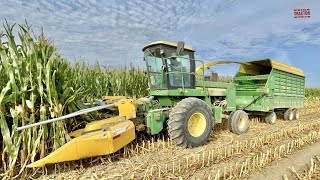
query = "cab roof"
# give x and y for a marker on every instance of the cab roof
(166, 43)
(276, 65)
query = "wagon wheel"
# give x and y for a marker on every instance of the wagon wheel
(239, 122)
(190, 123)
(229, 119)
(296, 114)
(271, 118)
(288, 115)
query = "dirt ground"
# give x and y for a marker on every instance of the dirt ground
(299, 161)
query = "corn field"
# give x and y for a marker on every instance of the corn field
(38, 84)
(312, 92)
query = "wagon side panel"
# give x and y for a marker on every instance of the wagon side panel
(288, 90)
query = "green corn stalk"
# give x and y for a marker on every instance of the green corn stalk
(312, 92)
(38, 84)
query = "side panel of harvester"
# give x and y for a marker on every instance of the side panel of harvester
(266, 85)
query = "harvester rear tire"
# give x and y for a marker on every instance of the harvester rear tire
(271, 118)
(239, 122)
(190, 123)
(296, 114)
(288, 115)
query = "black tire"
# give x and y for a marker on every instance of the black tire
(288, 115)
(182, 128)
(229, 120)
(296, 114)
(239, 122)
(271, 118)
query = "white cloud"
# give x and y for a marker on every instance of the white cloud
(114, 32)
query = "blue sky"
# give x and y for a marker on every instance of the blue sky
(114, 32)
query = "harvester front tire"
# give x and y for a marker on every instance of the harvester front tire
(239, 122)
(190, 123)
(288, 115)
(271, 118)
(296, 114)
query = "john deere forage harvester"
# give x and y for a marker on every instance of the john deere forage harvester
(186, 105)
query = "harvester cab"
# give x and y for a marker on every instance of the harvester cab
(169, 65)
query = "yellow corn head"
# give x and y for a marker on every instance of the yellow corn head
(97, 138)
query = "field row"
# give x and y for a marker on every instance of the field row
(312, 172)
(258, 160)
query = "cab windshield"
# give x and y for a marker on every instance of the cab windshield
(167, 71)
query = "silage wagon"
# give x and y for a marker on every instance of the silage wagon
(270, 86)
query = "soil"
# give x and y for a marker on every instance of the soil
(300, 161)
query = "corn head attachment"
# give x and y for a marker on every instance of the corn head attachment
(97, 138)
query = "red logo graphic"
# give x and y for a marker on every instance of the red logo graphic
(301, 13)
